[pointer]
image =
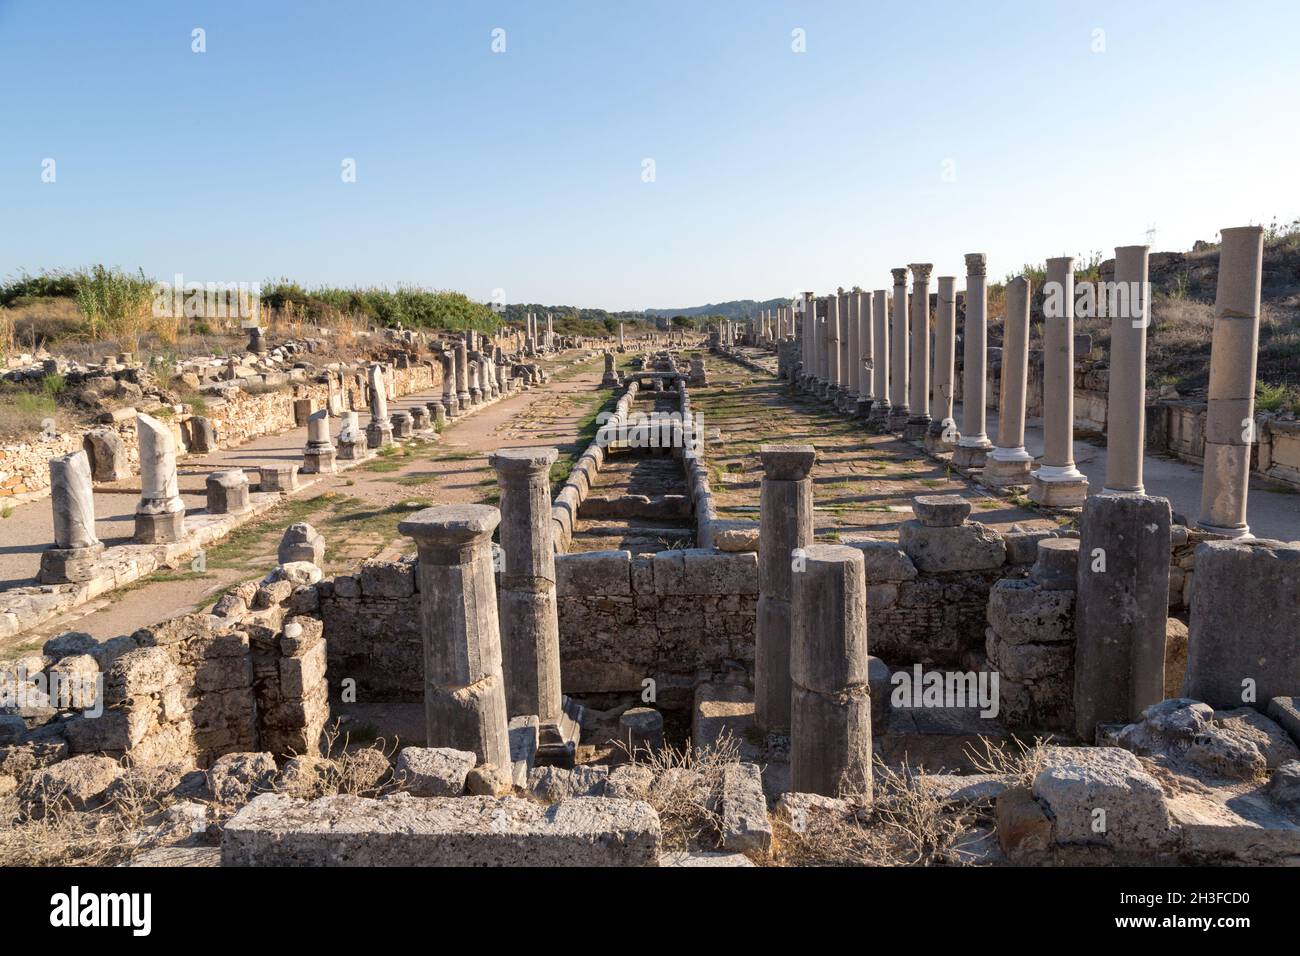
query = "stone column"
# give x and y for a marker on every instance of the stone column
(76, 548)
(808, 336)
(464, 693)
(898, 356)
(620, 336)
(450, 400)
(866, 355)
(475, 393)
(609, 379)
(1008, 464)
(318, 457)
(1230, 418)
(942, 432)
(786, 523)
(1122, 609)
(550, 332)
(160, 515)
(834, 332)
(830, 710)
(462, 374)
(850, 356)
(918, 393)
(974, 445)
(880, 334)
(1126, 402)
(530, 628)
(379, 431)
(1057, 482)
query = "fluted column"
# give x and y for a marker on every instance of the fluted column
(880, 379)
(1008, 464)
(898, 355)
(942, 432)
(974, 444)
(1127, 396)
(918, 393)
(1057, 482)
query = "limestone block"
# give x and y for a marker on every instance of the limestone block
(388, 579)
(82, 781)
(236, 777)
(1021, 612)
(301, 542)
(745, 826)
(941, 511)
(1022, 546)
(594, 572)
(970, 547)
(1245, 622)
(401, 830)
(1102, 796)
(1023, 827)
(227, 492)
(279, 478)
(299, 675)
(433, 771)
(552, 784)
(489, 780)
(1286, 711)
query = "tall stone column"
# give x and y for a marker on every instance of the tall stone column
(830, 709)
(1122, 609)
(848, 352)
(974, 445)
(1230, 418)
(76, 548)
(464, 692)
(379, 430)
(462, 374)
(450, 399)
(806, 337)
(620, 336)
(866, 355)
(880, 403)
(1126, 401)
(1008, 464)
(530, 628)
(160, 515)
(1057, 482)
(319, 455)
(834, 332)
(786, 523)
(942, 432)
(898, 355)
(918, 394)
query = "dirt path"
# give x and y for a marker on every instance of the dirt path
(863, 484)
(358, 511)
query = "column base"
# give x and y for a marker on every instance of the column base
(352, 451)
(862, 409)
(1242, 532)
(318, 461)
(70, 565)
(379, 434)
(971, 456)
(935, 441)
(1064, 492)
(557, 740)
(916, 427)
(165, 528)
(1006, 473)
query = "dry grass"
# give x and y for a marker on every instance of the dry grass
(686, 790)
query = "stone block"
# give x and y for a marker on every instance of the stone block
(344, 830)
(970, 547)
(1101, 796)
(279, 478)
(433, 771)
(1021, 612)
(594, 573)
(745, 826)
(301, 542)
(227, 492)
(388, 579)
(1245, 623)
(941, 511)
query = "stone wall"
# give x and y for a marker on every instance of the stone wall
(191, 689)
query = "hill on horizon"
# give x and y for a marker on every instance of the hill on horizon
(734, 309)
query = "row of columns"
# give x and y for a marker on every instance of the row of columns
(871, 356)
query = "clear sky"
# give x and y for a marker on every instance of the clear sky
(905, 132)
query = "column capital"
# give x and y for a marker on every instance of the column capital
(976, 264)
(787, 462)
(450, 526)
(516, 462)
(900, 275)
(921, 271)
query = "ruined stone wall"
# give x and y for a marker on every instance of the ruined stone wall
(190, 689)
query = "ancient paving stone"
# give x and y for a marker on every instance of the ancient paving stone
(402, 830)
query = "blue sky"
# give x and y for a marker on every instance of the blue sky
(775, 171)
